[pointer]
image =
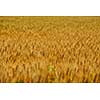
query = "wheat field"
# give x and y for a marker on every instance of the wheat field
(49, 49)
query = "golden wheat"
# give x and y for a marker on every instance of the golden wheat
(49, 49)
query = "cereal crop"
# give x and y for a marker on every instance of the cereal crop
(49, 49)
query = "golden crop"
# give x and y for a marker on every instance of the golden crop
(49, 49)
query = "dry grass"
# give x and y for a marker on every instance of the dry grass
(49, 49)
